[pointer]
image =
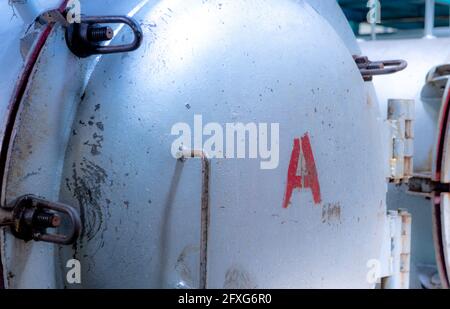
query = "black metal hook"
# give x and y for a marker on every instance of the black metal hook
(84, 38)
(32, 216)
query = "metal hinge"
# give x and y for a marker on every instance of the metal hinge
(29, 217)
(396, 251)
(401, 139)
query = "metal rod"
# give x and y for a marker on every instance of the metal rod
(373, 31)
(6, 217)
(429, 18)
(205, 210)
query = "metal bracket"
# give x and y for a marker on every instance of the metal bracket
(183, 155)
(426, 187)
(29, 217)
(438, 75)
(52, 17)
(370, 68)
(84, 38)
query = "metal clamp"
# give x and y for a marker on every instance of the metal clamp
(29, 218)
(370, 68)
(84, 38)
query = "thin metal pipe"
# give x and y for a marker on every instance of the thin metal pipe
(429, 18)
(373, 31)
(205, 210)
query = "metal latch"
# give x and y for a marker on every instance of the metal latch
(29, 217)
(370, 68)
(85, 38)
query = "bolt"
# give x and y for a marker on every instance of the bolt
(99, 34)
(47, 220)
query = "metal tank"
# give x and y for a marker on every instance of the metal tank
(426, 82)
(96, 134)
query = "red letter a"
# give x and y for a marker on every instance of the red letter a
(308, 177)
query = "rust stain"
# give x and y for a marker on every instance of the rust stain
(238, 278)
(189, 254)
(331, 213)
(86, 186)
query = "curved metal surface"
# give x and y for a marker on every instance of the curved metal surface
(102, 143)
(10, 57)
(445, 237)
(11, 62)
(332, 12)
(441, 173)
(206, 58)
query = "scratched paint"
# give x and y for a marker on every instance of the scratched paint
(302, 154)
(331, 213)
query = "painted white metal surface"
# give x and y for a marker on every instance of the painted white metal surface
(10, 58)
(29, 10)
(37, 154)
(141, 207)
(253, 241)
(331, 11)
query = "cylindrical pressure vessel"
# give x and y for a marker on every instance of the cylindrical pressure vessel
(238, 147)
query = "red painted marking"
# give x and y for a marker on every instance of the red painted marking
(308, 178)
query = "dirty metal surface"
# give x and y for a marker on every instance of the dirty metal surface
(16, 88)
(10, 58)
(141, 208)
(36, 153)
(11, 63)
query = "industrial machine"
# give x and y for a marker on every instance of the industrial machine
(197, 144)
(426, 82)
